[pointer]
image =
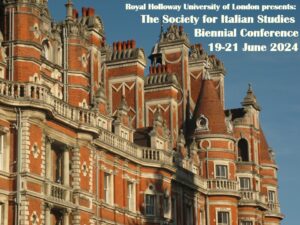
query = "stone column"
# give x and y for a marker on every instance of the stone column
(66, 218)
(76, 168)
(66, 170)
(48, 157)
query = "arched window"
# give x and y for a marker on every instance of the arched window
(243, 152)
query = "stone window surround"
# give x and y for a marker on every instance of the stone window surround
(227, 210)
(4, 135)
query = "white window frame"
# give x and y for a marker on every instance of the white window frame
(220, 176)
(4, 151)
(274, 196)
(131, 196)
(223, 211)
(249, 184)
(108, 188)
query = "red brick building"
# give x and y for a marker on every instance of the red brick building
(86, 138)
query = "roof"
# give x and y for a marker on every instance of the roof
(210, 106)
(264, 155)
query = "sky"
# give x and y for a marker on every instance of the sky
(275, 76)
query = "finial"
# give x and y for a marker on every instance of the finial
(69, 6)
(161, 29)
(249, 87)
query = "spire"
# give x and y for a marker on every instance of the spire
(69, 7)
(161, 29)
(209, 116)
(250, 99)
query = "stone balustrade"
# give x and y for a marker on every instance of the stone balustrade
(58, 192)
(274, 207)
(222, 185)
(41, 94)
(248, 195)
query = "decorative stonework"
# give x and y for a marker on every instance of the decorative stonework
(36, 31)
(84, 168)
(202, 123)
(35, 150)
(34, 218)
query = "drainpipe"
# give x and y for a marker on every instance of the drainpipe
(11, 45)
(65, 63)
(19, 164)
(206, 197)
(97, 188)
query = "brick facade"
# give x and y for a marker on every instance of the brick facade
(86, 138)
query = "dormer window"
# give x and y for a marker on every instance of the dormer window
(202, 123)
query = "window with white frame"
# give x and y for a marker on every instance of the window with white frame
(150, 204)
(130, 196)
(271, 196)
(245, 183)
(223, 218)
(221, 172)
(108, 188)
(1, 152)
(246, 222)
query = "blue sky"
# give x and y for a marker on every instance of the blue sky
(275, 77)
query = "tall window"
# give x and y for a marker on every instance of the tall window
(243, 152)
(221, 172)
(271, 197)
(108, 188)
(245, 183)
(223, 218)
(57, 162)
(149, 203)
(131, 196)
(1, 152)
(246, 222)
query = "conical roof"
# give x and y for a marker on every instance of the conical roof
(209, 107)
